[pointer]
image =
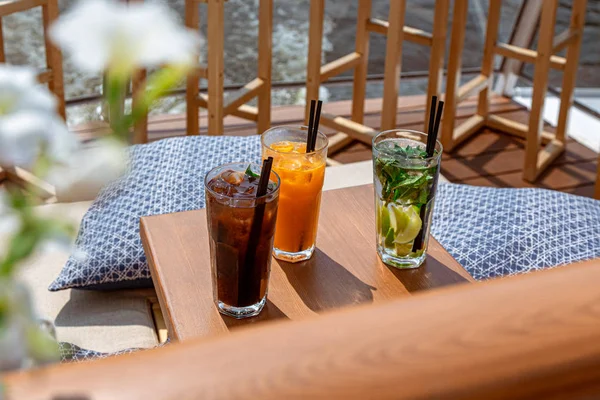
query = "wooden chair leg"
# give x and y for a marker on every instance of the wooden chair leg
(457, 40)
(393, 64)
(540, 84)
(215, 66)
(2, 56)
(436, 57)
(138, 86)
(361, 46)
(265, 45)
(53, 57)
(570, 72)
(313, 64)
(487, 66)
(192, 21)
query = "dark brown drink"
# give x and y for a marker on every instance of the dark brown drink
(241, 230)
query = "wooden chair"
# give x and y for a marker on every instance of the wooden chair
(396, 32)
(52, 75)
(544, 59)
(235, 104)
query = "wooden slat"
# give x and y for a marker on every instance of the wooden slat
(30, 182)
(243, 95)
(138, 88)
(457, 41)
(467, 129)
(340, 65)
(265, 61)
(487, 65)
(474, 86)
(527, 55)
(414, 35)
(338, 142)
(215, 36)
(313, 63)
(353, 129)
(436, 56)
(514, 127)
(244, 111)
(12, 6)
(192, 22)
(393, 64)
(570, 73)
(53, 56)
(2, 174)
(564, 39)
(2, 54)
(548, 154)
(477, 341)
(361, 46)
(540, 86)
(44, 76)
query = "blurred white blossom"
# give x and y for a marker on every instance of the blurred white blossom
(90, 169)
(9, 219)
(28, 121)
(108, 35)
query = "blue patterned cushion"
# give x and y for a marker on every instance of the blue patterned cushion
(164, 177)
(495, 232)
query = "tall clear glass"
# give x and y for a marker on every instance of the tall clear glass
(405, 185)
(302, 176)
(241, 227)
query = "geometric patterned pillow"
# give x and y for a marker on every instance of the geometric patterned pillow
(495, 232)
(163, 177)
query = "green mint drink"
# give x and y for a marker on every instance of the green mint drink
(405, 180)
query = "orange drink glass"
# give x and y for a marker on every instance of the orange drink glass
(302, 176)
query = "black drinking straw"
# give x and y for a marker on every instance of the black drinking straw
(247, 284)
(311, 122)
(313, 141)
(434, 127)
(432, 108)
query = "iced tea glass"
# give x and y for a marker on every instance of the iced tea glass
(405, 184)
(241, 228)
(302, 176)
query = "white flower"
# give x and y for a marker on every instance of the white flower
(90, 169)
(28, 121)
(10, 222)
(105, 35)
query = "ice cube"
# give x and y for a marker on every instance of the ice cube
(290, 163)
(233, 177)
(220, 186)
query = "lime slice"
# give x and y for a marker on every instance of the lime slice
(405, 221)
(383, 221)
(404, 249)
(389, 239)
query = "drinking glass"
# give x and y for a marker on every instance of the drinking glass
(405, 183)
(241, 228)
(302, 176)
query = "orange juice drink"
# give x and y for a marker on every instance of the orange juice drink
(302, 177)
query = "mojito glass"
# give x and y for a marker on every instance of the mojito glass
(241, 227)
(405, 183)
(302, 176)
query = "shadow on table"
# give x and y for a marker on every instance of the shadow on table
(431, 274)
(324, 284)
(269, 313)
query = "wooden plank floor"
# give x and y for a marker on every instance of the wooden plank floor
(488, 159)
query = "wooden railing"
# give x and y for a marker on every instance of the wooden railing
(532, 336)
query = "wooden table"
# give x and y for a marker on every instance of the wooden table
(344, 271)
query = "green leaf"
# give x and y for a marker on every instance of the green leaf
(251, 174)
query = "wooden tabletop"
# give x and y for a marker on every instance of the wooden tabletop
(344, 271)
